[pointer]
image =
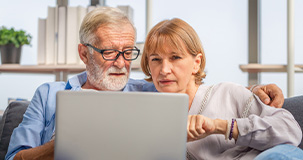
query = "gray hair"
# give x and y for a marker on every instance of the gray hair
(106, 16)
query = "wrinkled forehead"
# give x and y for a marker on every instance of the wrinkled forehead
(165, 44)
(113, 36)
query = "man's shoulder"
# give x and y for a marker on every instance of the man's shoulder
(45, 96)
(49, 89)
(139, 85)
(52, 86)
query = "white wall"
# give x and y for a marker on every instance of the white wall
(222, 26)
(274, 41)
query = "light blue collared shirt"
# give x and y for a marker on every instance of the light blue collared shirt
(38, 122)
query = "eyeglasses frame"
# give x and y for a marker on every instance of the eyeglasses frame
(101, 51)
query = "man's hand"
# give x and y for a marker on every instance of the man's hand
(45, 152)
(269, 94)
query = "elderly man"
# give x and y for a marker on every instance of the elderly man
(107, 48)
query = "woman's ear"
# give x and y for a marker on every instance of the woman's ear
(197, 63)
(83, 53)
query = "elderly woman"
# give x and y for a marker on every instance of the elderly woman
(226, 121)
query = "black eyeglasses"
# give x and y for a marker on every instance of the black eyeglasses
(113, 54)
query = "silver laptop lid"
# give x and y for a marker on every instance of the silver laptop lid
(121, 125)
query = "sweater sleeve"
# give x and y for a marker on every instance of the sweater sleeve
(266, 126)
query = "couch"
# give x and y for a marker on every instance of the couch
(11, 118)
(14, 113)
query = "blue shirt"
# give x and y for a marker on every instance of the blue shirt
(38, 122)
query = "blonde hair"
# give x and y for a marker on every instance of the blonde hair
(101, 16)
(176, 33)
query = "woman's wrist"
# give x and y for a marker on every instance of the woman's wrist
(235, 131)
(221, 126)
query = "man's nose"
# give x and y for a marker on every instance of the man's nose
(119, 62)
(165, 67)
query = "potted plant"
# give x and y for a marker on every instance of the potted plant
(11, 42)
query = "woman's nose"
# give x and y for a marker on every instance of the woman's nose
(165, 67)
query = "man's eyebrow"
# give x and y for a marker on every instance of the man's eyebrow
(131, 46)
(105, 47)
(115, 47)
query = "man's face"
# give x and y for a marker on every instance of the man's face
(111, 75)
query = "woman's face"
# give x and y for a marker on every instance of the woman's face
(173, 71)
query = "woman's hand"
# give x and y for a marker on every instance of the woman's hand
(269, 94)
(199, 126)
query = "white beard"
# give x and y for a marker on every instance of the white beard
(102, 80)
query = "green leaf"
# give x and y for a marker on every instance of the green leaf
(17, 37)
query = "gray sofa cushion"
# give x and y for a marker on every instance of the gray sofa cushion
(295, 106)
(12, 116)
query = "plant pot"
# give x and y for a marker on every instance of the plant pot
(10, 54)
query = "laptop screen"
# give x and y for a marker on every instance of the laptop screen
(120, 125)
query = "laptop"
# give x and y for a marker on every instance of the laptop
(121, 125)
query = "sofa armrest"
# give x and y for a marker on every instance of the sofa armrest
(12, 116)
(295, 106)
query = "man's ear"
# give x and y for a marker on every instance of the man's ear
(83, 53)
(197, 63)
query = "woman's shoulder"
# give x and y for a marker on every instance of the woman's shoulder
(232, 88)
(229, 85)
